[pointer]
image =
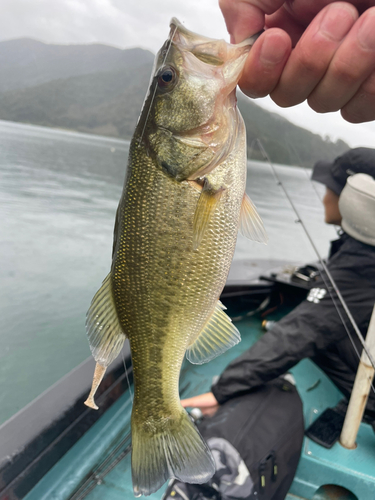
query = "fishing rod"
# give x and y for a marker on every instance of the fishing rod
(324, 266)
(296, 154)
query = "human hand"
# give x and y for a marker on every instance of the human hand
(207, 403)
(331, 64)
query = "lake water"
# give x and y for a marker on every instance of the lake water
(58, 197)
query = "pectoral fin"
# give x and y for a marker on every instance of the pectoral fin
(218, 335)
(104, 332)
(251, 225)
(206, 206)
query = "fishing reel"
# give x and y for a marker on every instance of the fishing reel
(302, 277)
(305, 275)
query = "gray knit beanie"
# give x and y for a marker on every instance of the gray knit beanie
(357, 208)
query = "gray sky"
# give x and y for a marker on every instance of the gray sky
(145, 23)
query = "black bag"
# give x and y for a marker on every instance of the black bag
(256, 441)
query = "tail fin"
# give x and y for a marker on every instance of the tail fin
(178, 452)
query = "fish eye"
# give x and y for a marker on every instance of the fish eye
(167, 77)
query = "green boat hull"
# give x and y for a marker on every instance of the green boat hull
(98, 467)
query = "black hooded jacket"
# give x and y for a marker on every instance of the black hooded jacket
(314, 328)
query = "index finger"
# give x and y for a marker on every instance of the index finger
(244, 18)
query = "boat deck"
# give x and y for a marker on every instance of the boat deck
(98, 465)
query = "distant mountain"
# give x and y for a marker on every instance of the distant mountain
(26, 63)
(100, 89)
(283, 141)
(106, 103)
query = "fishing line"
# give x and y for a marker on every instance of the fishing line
(333, 284)
(119, 452)
(127, 376)
(332, 281)
(344, 323)
(156, 87)
(314, 187)
(300, 162)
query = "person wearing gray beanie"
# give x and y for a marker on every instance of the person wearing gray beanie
(314, 329)
(350, 192)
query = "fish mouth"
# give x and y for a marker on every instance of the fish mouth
(226, 57)
(176, 25)
(192, 147)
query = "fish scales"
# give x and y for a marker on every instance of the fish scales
(174, 286)
(175, 233)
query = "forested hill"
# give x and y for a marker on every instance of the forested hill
(26, 63)
(99, 89)
(285, 142)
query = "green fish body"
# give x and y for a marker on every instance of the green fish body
(175, 233)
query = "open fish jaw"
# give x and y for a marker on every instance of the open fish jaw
(188, 124)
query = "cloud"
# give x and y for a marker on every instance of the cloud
(141, 23)
(63, 21)
(145, 23)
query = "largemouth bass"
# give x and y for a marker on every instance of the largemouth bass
(175, 233)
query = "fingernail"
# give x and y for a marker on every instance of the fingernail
(271, 52)
(366, 32)
(252, 96)
(337, 21)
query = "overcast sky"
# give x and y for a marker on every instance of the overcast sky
(145, 23)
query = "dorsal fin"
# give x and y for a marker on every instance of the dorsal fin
(251, 225)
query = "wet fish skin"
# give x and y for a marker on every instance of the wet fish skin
(175, 233)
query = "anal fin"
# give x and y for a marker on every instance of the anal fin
(251, 225)
(218, 335)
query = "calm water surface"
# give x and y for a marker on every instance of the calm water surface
(58, 197)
